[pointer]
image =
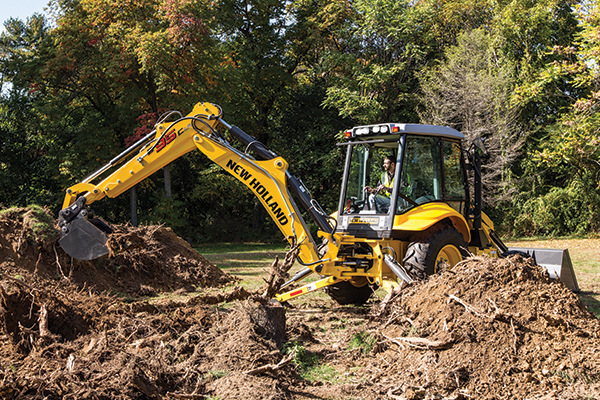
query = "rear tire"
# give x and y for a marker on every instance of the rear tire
(441, 245)
(356, 291)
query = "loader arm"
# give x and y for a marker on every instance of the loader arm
(85, 237)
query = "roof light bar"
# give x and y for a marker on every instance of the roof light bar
(370, 130)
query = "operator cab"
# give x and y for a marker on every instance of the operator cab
(429, 168)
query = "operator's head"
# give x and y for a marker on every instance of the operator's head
(389, 164)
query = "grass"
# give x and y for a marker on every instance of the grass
(251, 261)
(363, 341)
(310, 364)
(37, 219)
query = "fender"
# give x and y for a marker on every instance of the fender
(426, 215)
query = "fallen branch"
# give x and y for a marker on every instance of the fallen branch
(185, 396)
(270, 367)
(516, 339)
(395, 341)
(18, 281)
(279, 274)
(387, 301)
(470, 308)
(418, 391)
(43, 321)
(420, 343)
(60, 269)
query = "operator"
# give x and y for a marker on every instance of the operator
(380, 197)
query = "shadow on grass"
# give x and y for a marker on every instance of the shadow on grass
(589, 299)
(235, 272)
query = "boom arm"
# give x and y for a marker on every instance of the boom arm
(267, 178)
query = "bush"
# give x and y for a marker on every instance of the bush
(573, 210)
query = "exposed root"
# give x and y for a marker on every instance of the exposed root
(278, 274)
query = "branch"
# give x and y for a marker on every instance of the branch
(420, 343)
(270, 367)
(470, 308)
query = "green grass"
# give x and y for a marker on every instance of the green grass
(37, 219)
(220, 248)
(251, 262)
(363, 341)
(310, 364)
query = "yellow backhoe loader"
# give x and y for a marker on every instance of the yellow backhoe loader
(391, 225)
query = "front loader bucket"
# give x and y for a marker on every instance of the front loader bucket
(556, 261)
(83, 240)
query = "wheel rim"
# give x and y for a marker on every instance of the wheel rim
(359, 281)
(449, 254)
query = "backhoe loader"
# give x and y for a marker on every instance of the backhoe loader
(378, 237)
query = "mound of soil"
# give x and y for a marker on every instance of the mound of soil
(488, 329)
(144, 261)
(64, 334)
(153, 258)
(136, 350)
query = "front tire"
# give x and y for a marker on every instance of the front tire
(425, 255)
(356, 291)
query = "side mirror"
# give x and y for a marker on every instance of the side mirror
(479, 143)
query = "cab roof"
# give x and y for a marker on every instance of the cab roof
(387, 129)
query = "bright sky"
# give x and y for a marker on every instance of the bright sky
(20, 9)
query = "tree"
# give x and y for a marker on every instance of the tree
(383, 47)
(575, 140)
(470, 90)
(28, 166)
(570, 149)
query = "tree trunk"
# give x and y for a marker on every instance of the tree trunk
(167, 175)
(133, 203)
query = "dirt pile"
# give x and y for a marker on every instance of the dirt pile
(153, 258)
(63, 334)
(115, 350)
(144, 261)
(488, 329)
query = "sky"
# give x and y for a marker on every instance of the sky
(20, 9)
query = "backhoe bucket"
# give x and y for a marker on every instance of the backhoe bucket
(83, 240)
(556, 261)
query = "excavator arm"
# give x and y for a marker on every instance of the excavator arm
(85, 237)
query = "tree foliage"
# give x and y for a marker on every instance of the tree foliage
(470, 90)
(294, 74)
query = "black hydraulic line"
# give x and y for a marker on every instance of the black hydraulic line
(499, 243)
(134, 147)
(295, 184)
(299, 275)
(250, 142)
(309, 204)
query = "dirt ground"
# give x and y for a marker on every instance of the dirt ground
(156, 320)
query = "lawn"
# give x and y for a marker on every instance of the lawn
(251, 261)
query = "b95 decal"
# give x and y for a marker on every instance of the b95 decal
(168, 138)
